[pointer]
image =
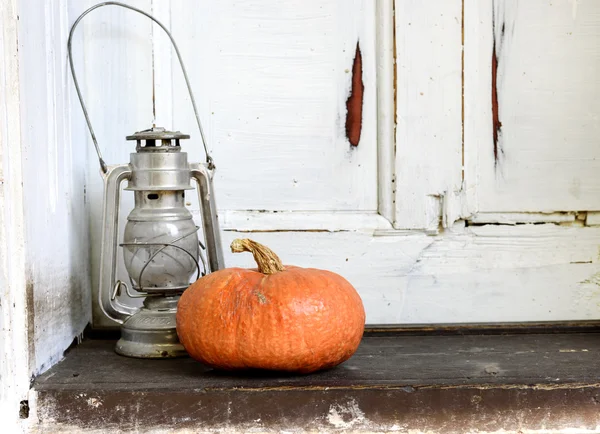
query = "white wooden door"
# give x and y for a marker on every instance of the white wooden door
(417, 197)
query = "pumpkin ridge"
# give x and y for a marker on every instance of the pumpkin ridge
(242, 332)
(306, 344)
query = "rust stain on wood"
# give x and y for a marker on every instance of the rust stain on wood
(354, 102)
(496, 124)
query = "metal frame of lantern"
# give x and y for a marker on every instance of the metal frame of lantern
(160, 245)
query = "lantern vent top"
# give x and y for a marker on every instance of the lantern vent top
(158, 140)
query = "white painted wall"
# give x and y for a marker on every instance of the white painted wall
(272, 81)
(57, 246)
(44, 231)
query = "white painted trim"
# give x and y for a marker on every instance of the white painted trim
(268, 221)
(520, 217)
(386, 116)
(334, 221)
(57, 245)
(592, 218)
(14, 320)
(477, 97)
(428, 131)
(492, 273)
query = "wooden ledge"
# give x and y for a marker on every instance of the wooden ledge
(393, 383)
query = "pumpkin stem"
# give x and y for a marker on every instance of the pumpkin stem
(268, 262)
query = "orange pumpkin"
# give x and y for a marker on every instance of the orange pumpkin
(278, 318)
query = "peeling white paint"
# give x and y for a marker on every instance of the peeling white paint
(14, 334)
(44, 256)
(345, 415)
(322, 430)
(94, 402)
(428, 162)
(474, 274)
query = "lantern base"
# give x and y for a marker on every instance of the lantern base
(149, 351)
(150, 333)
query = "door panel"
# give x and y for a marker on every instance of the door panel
(533, 78)
(272, 80)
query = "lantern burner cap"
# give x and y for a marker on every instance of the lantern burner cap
(158, 140)
(157, 133)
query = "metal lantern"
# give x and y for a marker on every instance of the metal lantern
(160, 245)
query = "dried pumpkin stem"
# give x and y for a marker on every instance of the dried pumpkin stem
(267, 260)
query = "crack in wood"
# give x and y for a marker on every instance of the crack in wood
(462, 84)
(496, 123)
(411, 388)
(354, 103)
(395, 78)
(253, 231)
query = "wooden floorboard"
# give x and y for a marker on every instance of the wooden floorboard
(532, 381)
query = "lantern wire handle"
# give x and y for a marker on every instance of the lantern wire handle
(103, 165)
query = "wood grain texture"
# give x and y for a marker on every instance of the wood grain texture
(508, 218)
(55, 212)
(429, 101)
(478, 130)
(382, 360)
(15, 369)
(386, 109)
(256, 221)
(474, 274)
(272, 82)
(546, 156)
(437, 384)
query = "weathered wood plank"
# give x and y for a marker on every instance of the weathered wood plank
(386, 108)
(474, 274)
(380, 361)
(477, 96)
(421, 382)
(257, 221)
(512, 218)
(15, 369)
(428, 99)
(53, 181)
